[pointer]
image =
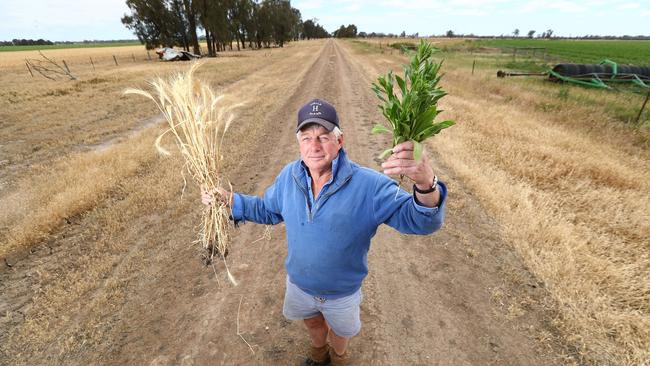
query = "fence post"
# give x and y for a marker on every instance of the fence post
(473, 64)
(114, 59)
(29, 68)
(642, 107)
(66, 66)
(92, 63)
(148, 55)
(133, 56)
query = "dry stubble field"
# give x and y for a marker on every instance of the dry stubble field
(543, 260)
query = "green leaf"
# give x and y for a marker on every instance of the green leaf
(445, 124)
(417, 151)
(401, 83)
(380, 129)
(385, 153)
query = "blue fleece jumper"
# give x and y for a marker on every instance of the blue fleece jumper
(329, 237)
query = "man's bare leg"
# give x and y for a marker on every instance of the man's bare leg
(319, 352)
(317, 328)
(340, 344)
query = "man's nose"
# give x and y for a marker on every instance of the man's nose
(315, 143)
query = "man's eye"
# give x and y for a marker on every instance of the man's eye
(323, 139)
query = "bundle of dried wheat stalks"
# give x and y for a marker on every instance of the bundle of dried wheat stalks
(198, 119)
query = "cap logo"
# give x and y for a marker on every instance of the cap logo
(314, 109)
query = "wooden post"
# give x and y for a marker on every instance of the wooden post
(148, 55)
(638, 117)
(133, 56)
(114, 59)
(66, 66)
(29, 68)
(92, 63)
(473, 65)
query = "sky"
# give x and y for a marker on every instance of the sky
(77, 20)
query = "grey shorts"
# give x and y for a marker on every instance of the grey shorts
(342, 314)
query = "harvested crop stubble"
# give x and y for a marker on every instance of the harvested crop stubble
(198, 119)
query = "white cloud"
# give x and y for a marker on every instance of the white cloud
(559, 5)
(629, 6)
(308, 4)
(63, 20)
(467, 8)
(352, 8)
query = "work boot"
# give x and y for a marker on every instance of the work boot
(337, 360)
(318, 356)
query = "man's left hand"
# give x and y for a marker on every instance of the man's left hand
(402, 162)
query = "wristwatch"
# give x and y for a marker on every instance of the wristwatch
(434, 187)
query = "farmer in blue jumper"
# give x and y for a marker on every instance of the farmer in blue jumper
(332, 207)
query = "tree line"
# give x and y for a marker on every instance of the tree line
(171, 23)
(26, 42)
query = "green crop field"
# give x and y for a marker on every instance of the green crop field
(64, 45)
(581, 51)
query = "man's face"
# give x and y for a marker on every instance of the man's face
(318, 147)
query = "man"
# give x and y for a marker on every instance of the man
(331, 208)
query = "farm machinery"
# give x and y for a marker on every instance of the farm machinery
(602, 75)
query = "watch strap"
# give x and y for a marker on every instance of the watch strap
(434, 187)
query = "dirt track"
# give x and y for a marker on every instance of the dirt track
(443, 299)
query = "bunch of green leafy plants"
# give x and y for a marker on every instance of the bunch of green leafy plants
(412, 108)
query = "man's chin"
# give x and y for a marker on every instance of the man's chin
(317, 164)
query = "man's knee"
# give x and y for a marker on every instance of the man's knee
(315, 322)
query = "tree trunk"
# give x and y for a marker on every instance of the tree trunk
(208, 41)
(191, 17)
(242, 39)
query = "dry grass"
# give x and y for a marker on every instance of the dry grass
(43, 119)
(64, 189)
(568, 182)
(98, 242)
(572, 201)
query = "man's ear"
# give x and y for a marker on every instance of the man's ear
(341, 141)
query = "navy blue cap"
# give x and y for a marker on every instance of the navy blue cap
(320, 112)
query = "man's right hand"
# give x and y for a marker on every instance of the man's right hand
(208, 198)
